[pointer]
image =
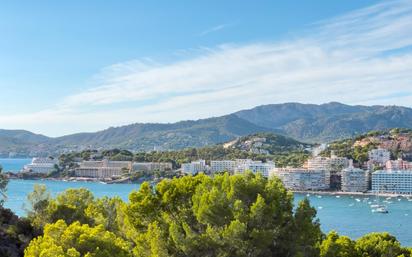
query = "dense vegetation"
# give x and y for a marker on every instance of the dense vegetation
(241, 215)
(283, 150)
(397, 141)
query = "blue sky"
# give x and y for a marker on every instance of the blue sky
(106, 63)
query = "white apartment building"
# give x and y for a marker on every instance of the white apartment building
(355, 180)
(152, 166)
(225, 165)
(194, 167)
(102, 169)
(255, 167)
(41, 165)
(379, 156)
(300, 179)
(332, 163)
(398, 165)
(392, 181)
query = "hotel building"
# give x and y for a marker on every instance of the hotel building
(301, 179)
(355, 180)
(152, 166)
(221, 166)
(194, 167)
(392, 181)
(41, 165)
(255, 167)
(102, 169)
(332, 163)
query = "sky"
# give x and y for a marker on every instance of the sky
(80, 66)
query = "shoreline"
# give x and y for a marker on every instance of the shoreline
(340, 193)
(127, 181)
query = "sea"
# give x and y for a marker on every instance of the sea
(13, 165)
(348, 215)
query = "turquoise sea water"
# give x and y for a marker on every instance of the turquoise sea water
(13, 164)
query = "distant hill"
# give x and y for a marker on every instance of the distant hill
(303, 122)
(327, 122)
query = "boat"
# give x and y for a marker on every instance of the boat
(338, 196)
(358, 200)
(381, 209)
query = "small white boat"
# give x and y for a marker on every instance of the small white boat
(338, 196)
(381, 210)
(319, 196)
(358, 200)
(307, 195)
(320, 207)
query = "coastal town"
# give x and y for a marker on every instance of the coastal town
(380, 174)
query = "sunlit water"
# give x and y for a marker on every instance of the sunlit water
(349, 215)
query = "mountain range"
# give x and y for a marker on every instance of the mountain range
(304, 122)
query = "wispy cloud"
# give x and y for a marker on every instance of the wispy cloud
(214, 29)
(348, 59)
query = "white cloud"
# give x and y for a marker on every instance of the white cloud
(358, 58)
(214, 29)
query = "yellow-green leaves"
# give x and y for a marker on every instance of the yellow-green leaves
(75, 240)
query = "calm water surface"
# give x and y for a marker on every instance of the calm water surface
(349, 215)
(14, 165)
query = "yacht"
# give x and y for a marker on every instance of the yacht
(381, 209)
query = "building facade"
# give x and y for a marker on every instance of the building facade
(355, 180)
(300, 179)
(194, 167)
(332, 163)
(102, 169)
(263, 168)
(41, 165)
(221, 166)
(398, 165)
(379, 156)
(152, 166)
(392, 181)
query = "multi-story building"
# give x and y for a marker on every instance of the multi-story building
(41, 165)
(225, 165)
(255, 167)
(300, 179)
(355, 180)
(152, 166)
(398, 165)
(102, 169)
(332, 163)
(379, 156)
(194, 167)
(392, 181)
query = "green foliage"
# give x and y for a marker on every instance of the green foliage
(337, 246)
(380, 245)
(69, 206)
(221, 216)
(38, 201)
(3, 186)
(77, 240)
